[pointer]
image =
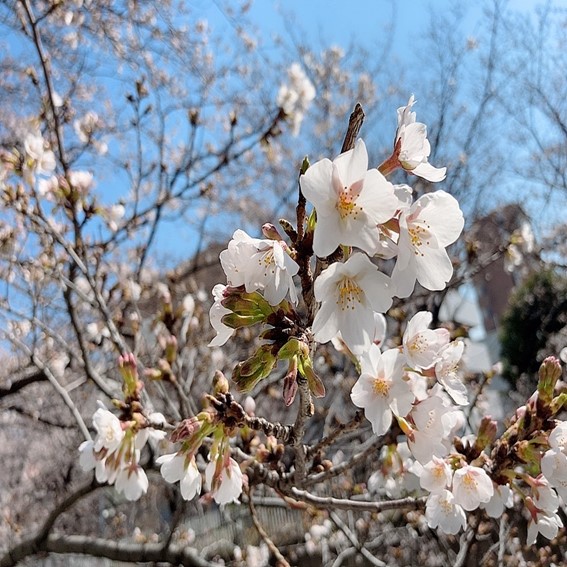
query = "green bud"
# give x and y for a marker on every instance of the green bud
(315, 383)
(171, 349)
(292, 348)
(558, 403)
(304, 165)
(235, 321)
(248, 373)
(549, 374)
(220, 383)
(527, 452)
(246, 304)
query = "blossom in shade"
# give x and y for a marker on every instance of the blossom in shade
(441, 511)
(350, 201)
(412, 146)
(225, 483)
(447, 371)
(435, 475)
(350, 293)
(422, 345)
(431, 224)
(381, 389)
(471, 486)
(132, 481)
(544, 523)
(176, 467)
(502, 497)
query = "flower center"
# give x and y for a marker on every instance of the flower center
(418, 344)
(419, 235)
(346, 203)
(267, 262)
(381, 387)
(350, 293)
(469, 482)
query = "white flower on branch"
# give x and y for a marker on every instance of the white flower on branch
(350, 201)
(381, 389)
(431, 224)
(414, 147)
(350, 293)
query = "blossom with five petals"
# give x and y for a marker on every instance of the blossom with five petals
(381, 389)
(350, 293)
(431, 224)
(350, 201)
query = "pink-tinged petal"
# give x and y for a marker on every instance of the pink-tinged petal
(352, 165)
(316, 186)
(427, 171)
(442, 213)
(434, 270)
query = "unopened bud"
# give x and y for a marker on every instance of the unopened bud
(271, 232)
(185, 429)
(486, 433)
(248, 373)
(129, 372)
(315, 383)
(290, 382)
(249, 405)
(527, 452)
(171, 349)
(220, 383)
(549, 374)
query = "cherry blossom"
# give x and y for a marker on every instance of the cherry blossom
(447, 372)
(350, 293)
(381, 389)
(422, 345)
(412, 145)
(444, 513)
(177, 467)
(260, 264)
(471, 486)
(431, 224)
(544, 523)
(296, 97)
(109, 431)
(502, 497)
(226, 483)
(350, 201)
(132, 481)
(436, 475)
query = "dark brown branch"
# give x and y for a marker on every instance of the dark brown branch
(113, 550)
(30, 375)
(354, 125)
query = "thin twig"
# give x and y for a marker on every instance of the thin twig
(354, 541)
(281, 560)
(330, 503)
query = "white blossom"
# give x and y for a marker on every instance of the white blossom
(350, 201)
(444, 513)
(422, 345)
(413, 145)
(471, 486)
(176, 467)
(431, 224)
(350, 293)
(228, 486)
(381, 389)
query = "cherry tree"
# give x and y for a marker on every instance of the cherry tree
(182, 389)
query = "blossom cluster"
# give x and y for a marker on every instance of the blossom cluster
(115, 452)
